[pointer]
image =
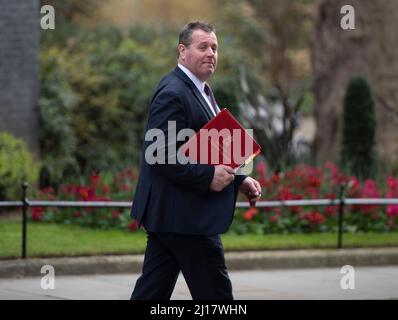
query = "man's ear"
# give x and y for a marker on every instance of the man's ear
(181, 51)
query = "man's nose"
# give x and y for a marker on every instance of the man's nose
(210, 52)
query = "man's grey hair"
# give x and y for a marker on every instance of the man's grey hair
(185, 37)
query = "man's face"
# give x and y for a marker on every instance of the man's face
(200, 57)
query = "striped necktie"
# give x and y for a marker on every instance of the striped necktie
(210, 94)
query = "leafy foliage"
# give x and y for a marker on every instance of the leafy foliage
(94, 97)
(16, 165)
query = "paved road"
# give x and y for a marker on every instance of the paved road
(291, 284)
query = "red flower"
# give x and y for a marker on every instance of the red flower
(249, 214)
(331, 211)
(76, 214)
(105, 189)
(313, 181)
(37, 213)
(115, 214)
(296, 209)
(94, 180)
(48, 190)
(132, 173)
(133, 226)
(337, 176)
(125, 187)
(85, 193)
(66, 189)
(314, 217)
(274, 218)
(275, 178)
(285, 194)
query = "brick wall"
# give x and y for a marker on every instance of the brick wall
(19, 63)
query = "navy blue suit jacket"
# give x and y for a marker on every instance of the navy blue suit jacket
(174, 197)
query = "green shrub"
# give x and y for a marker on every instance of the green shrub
(394, 168)
(94, 95)
(358, 154)
(56, 134)
(16, 165)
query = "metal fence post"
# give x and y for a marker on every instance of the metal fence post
(341, 213)
(25, 206)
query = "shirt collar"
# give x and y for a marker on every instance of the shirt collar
(198, 83)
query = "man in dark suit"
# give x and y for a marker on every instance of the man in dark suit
(185, 207)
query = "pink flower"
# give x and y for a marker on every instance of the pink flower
(369, 190)
(392, 183)
(392, 210)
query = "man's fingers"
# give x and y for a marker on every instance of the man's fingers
(229, 169)
(252, 202)
(230, 172)
(256, 189)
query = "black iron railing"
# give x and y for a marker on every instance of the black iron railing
(25, 204)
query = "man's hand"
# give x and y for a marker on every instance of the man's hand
(223, 176)
(251, 189)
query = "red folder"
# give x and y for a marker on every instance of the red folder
(223, 140)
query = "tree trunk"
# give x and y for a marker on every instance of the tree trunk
(338, 55)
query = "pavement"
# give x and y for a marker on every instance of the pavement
(247, 260)
(284, 274)
(286, 284)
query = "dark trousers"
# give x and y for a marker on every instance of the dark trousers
(199, 258)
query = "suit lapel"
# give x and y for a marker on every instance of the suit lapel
(205, 107)
(202, 102)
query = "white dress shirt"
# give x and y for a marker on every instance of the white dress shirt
(199, 84)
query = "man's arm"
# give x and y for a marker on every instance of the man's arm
(167, 107)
